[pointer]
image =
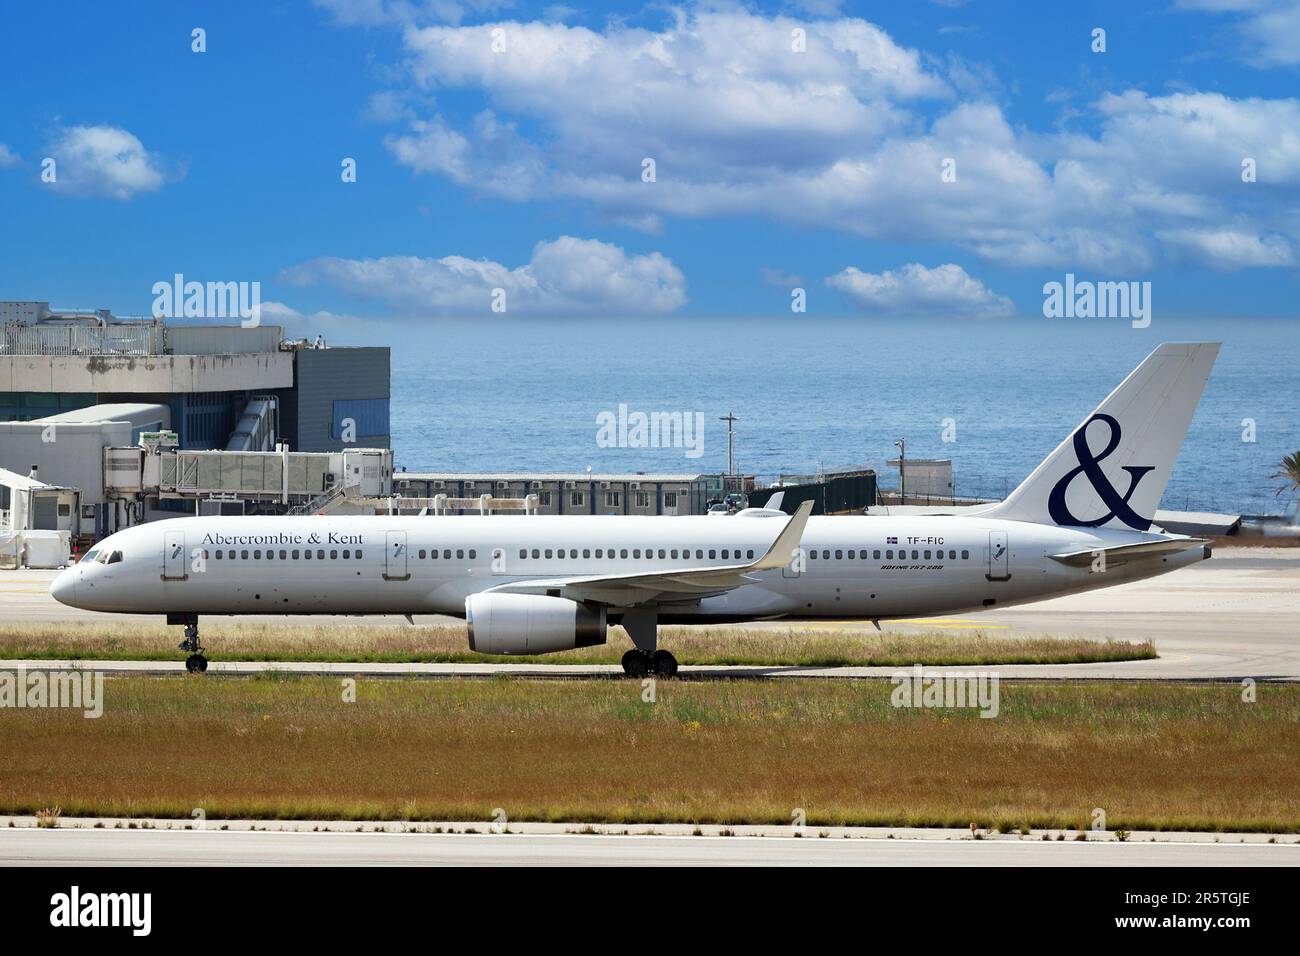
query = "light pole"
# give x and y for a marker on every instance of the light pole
(731, 420)
(902, 471)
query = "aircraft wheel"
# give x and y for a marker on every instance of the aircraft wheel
(665, 665)
(196, 664)
(636, 664)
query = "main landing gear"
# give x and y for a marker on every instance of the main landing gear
(641, 625)
(196, 663)
(637, 663)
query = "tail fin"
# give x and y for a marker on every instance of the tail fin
(1112, 470)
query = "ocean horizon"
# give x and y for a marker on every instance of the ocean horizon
(829, 394)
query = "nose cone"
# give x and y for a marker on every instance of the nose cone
(64, 587)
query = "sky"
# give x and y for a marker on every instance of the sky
(867, 161)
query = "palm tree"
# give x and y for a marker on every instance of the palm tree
(1289, 473)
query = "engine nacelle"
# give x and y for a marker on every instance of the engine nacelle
(531, 624)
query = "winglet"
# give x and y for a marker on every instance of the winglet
(783, 548)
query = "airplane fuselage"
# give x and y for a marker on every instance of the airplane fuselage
(847, 567)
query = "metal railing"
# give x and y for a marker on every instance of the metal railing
(119, 338)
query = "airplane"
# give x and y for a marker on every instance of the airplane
(536, 584)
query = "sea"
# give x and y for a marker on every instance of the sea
(817, 395)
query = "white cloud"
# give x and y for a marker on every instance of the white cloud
(565, 276)
(8, 157)
(1227, 249)
(103, 161)
(373, 13)
(1270, 28)
(915, 291)
(850, 134)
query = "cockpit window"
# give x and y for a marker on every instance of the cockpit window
(91, 555)
(114, 558)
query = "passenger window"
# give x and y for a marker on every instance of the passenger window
(473, 553)
(874, 554)
(952, 555)
(347, 553)
(889, 555)
(662, 553)
(422, 554)
(826, 554)
(446, 554)
(586, 552)
(965, 554)
(712, 553)
(460, 553)
(306, 554)
(726, 553)
(230, 555)
(523, 553)
(636, 552)
(927, 555)
(852, 553)
(284, 554)
(813, 553)
(334, 554)
(839, 555)
(358, 555)
(257, 555)
(914, 554)
(600, 552)
(536, 553)
(243, 555)
(549, 552)
(320, 554)
(295, 554)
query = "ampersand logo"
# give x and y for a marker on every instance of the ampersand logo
(1090, 465)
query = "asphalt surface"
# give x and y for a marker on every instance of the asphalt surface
(1235, 616)
(35, 847)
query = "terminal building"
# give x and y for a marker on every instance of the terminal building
(577, 493)
(148, 418)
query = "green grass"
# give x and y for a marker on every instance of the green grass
(1153, 756)
(807, 646)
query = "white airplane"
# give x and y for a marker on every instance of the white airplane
(537, 584)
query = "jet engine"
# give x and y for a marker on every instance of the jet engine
(531, 624)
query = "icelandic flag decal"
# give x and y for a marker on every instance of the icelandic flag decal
(891, 541)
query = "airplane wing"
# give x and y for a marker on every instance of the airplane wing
(1124, 551)
(686, 584)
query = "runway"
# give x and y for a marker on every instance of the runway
(1235, 616)
(34, 847)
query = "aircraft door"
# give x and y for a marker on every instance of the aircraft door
(999, 552)
(395, 565)
(174, 556)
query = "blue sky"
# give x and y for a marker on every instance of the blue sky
(521, 168)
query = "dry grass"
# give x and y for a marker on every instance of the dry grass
(1153, 756)
(369, 643)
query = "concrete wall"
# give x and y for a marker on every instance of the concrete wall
(148, 373)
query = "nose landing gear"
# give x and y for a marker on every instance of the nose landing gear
(196, 663)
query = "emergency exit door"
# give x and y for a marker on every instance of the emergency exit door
(999, 552)
(395, 563)
(174, 568)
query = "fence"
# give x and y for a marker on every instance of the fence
(128, 338)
